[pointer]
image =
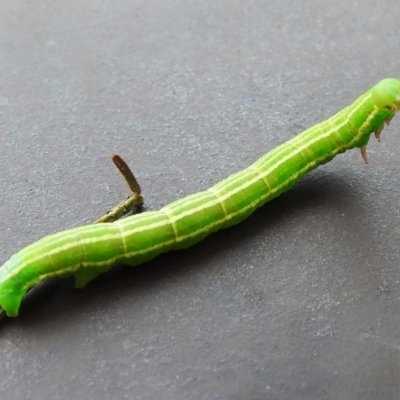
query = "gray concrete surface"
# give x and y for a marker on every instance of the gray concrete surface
(302, 300)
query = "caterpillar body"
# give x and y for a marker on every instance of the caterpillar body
(87, 251)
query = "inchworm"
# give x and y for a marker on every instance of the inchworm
(87, 251)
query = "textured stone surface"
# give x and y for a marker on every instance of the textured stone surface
(302, 300)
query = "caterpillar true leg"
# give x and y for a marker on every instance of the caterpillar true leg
(364, 156)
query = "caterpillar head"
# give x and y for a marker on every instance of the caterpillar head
(386, 94)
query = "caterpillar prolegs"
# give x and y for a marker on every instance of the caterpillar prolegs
(87, 251)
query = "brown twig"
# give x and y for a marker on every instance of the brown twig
(133, 203)
(126, 173)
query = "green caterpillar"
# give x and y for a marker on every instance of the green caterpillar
(87, 251)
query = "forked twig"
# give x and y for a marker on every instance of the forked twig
(133, 203)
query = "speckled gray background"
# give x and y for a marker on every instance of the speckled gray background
(302, 300)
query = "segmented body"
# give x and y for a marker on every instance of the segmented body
(87, 251)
